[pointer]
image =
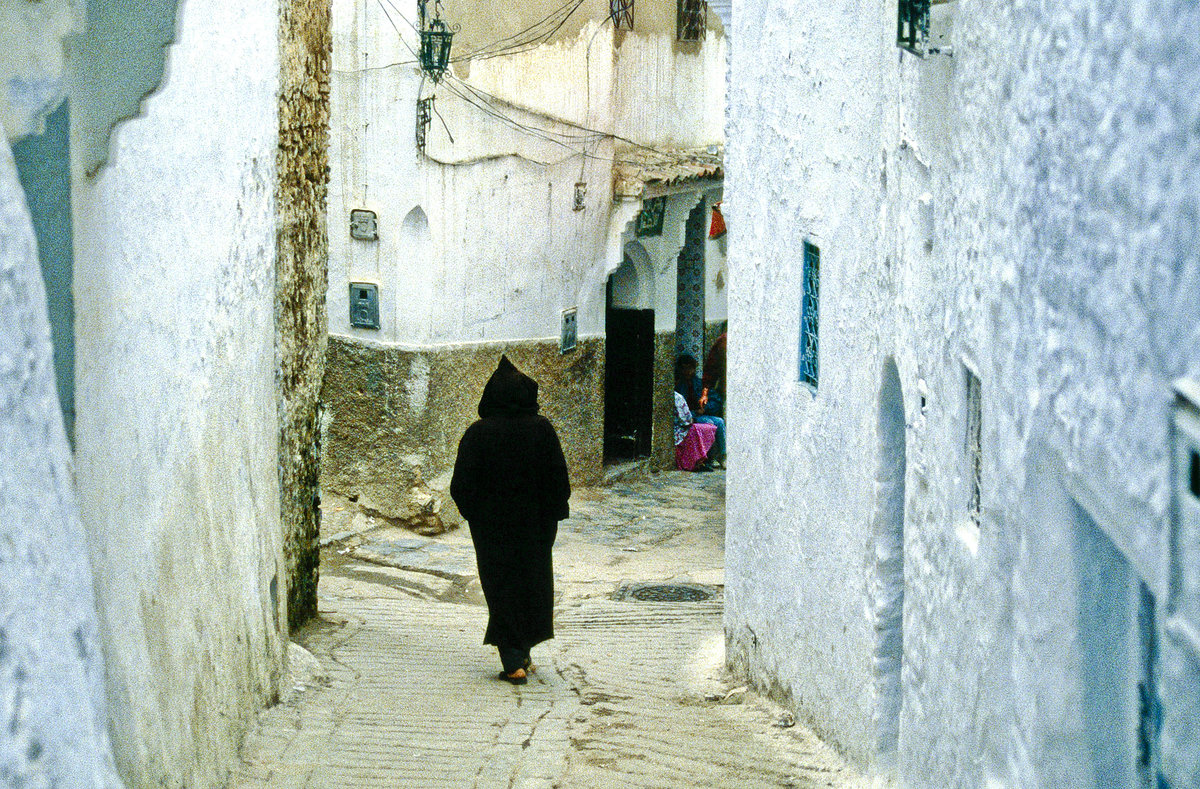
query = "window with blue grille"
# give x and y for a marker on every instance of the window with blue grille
(621, 14)
(810, 315)
(691, 20)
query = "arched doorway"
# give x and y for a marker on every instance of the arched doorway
(887, 583)
(629, 358)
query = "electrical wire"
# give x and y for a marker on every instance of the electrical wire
(527, 39)
(483, 101)
(488, 99)
(596, 132)
(546, 135)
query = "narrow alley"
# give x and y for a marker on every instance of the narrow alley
(399, 691)
(292, 292)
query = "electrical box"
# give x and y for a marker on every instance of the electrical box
(363, 225)
(570, 330)
(364, 305)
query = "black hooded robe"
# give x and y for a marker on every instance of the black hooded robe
(510, 483)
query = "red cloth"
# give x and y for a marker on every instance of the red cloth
(716, 228)
(690, 452)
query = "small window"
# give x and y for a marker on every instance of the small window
(974, 448)
(650, 218)
(912, 29)
(424, 115)
(810, 315)
(621, 13)
(691, 20)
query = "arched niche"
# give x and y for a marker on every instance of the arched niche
(887, 579)
(633, 281)
(411, 284)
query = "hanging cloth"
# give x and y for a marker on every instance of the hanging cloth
(716, 228)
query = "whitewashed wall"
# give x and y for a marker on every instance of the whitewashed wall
(178, 429)
(51, 666)
(1024, 209)
(504, 252)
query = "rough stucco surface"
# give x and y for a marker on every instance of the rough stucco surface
(1029, 208)
(52, 705)
(178, 420)
(662, 426)
(31, 62)
(300, 283)
(394, 416)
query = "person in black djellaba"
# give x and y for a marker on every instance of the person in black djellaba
(510, 483)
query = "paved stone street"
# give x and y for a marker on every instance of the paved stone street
(399, 692)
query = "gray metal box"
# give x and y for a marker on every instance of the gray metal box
(364, 305)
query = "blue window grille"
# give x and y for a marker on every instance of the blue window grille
(912, 27)
(621, 13)
(691, 20)
(810, 315)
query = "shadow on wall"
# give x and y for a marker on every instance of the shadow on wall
(887, 580)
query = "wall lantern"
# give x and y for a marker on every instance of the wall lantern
(436, 38)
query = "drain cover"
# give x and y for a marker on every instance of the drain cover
(666, 593)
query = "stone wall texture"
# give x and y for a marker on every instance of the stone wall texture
(394, 416)
(301, 279)
(178, 423)
(1024, 210)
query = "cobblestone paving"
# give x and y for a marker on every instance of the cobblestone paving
(630, 694)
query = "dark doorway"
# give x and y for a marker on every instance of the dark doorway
(628, 381)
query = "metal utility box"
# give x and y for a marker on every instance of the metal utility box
(363, 225)
(569, 330)
(364, 305)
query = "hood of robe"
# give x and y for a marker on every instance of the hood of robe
(509, 392)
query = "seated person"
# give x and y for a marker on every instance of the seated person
(693, 440)
(687, 383)
(714, 377)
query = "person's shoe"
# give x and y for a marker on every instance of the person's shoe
(703, 467)
(516, 678)
(529, 667)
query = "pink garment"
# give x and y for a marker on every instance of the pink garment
(692, 450)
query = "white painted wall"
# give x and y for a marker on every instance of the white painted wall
(716, 267)
(505, 251)
(178, 429)
(32, 61)
(1026, 207)
(51, 667)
